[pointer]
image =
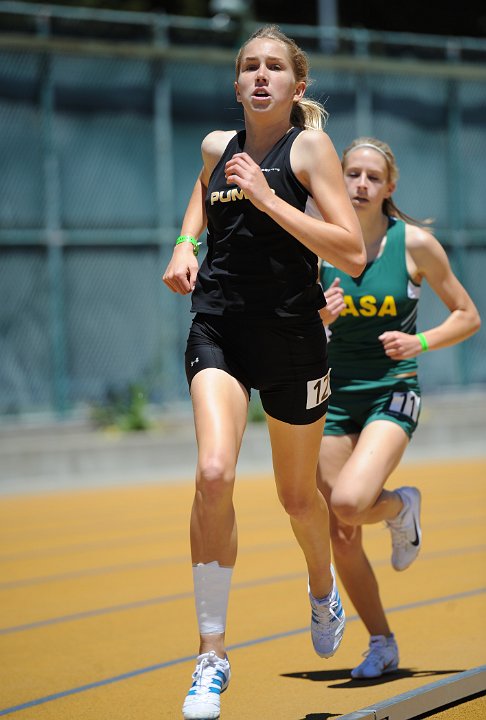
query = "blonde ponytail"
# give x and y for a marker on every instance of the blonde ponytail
(309, 114)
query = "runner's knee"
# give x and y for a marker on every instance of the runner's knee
(346, 507)
(215, 478)
(346, 540)
(296, 504)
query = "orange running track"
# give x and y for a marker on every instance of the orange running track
(97, 619)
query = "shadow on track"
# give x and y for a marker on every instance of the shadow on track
(344, 674)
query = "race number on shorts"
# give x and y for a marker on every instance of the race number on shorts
(405, 403)
(318, 391)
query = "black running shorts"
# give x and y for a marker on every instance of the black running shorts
(284, 358)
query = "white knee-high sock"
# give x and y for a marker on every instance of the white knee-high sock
(211, 591)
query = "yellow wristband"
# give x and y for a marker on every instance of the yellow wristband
(423, 342)
(191, 239)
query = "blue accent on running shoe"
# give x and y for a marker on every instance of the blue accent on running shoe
(327, 621)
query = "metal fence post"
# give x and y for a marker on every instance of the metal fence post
(164, 172)
(363, 94)
(52, 219)
(455, 206)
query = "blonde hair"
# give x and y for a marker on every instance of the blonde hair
(305, 113)
(388, 208)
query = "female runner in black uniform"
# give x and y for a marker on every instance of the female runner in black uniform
(256, 300)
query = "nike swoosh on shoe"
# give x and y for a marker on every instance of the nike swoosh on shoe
(415, 542)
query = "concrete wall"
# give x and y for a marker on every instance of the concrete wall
(58, 457)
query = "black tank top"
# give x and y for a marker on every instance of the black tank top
(252, 265)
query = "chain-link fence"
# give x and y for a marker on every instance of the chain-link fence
(100, 147)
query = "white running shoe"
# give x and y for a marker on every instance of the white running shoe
(210, 679)
(327, 622)
(380, 658)
(406, 534)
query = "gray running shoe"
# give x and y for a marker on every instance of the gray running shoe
(327, 622)
(406, 534)
(380, 658)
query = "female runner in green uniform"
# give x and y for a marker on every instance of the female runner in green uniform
(375, 401)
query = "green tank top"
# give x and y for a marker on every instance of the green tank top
(382, 298)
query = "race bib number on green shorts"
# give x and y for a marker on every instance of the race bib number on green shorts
(405, 403)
